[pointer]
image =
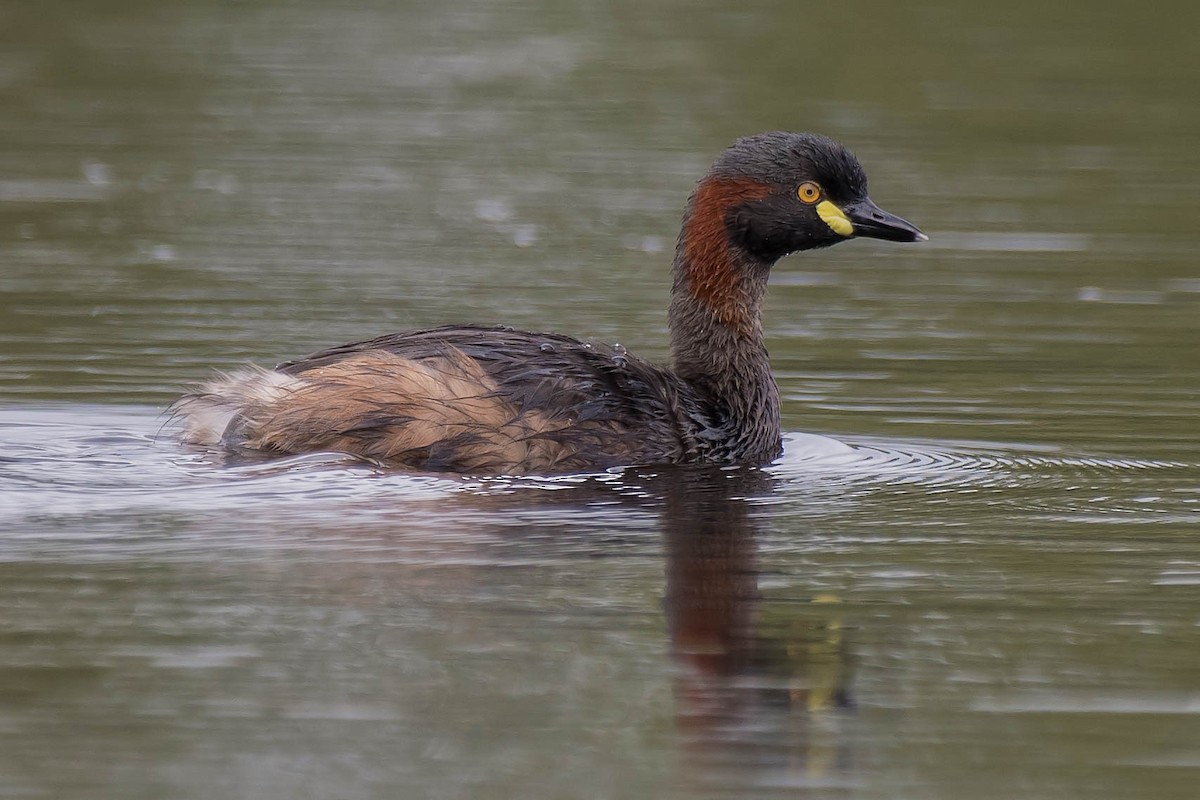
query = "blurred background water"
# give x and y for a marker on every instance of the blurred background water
(981, 577)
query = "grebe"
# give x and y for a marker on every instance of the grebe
(493, 400)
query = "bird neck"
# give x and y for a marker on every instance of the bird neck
(715, 321)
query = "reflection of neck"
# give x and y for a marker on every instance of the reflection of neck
(712, 581)
(741, 689)
(715, 320)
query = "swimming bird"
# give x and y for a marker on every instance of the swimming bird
(478, 400)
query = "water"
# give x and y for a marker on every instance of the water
(974, 573)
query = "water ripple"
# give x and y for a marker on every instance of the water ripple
(1018, 477)
(77, 461)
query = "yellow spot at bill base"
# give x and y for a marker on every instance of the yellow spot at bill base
(835, 218)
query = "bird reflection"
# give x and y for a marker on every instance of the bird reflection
(762, 687)
(760, 669)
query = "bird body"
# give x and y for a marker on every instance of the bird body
(471, 399)
(493, 400)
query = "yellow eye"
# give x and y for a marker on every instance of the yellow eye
(809, 192)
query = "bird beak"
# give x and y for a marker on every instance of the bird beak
(873, 222)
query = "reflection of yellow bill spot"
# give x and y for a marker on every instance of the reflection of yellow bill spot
(835, 218)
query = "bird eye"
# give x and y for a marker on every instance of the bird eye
(809, 192)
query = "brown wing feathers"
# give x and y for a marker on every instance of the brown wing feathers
(462, 399)
(434, 413)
